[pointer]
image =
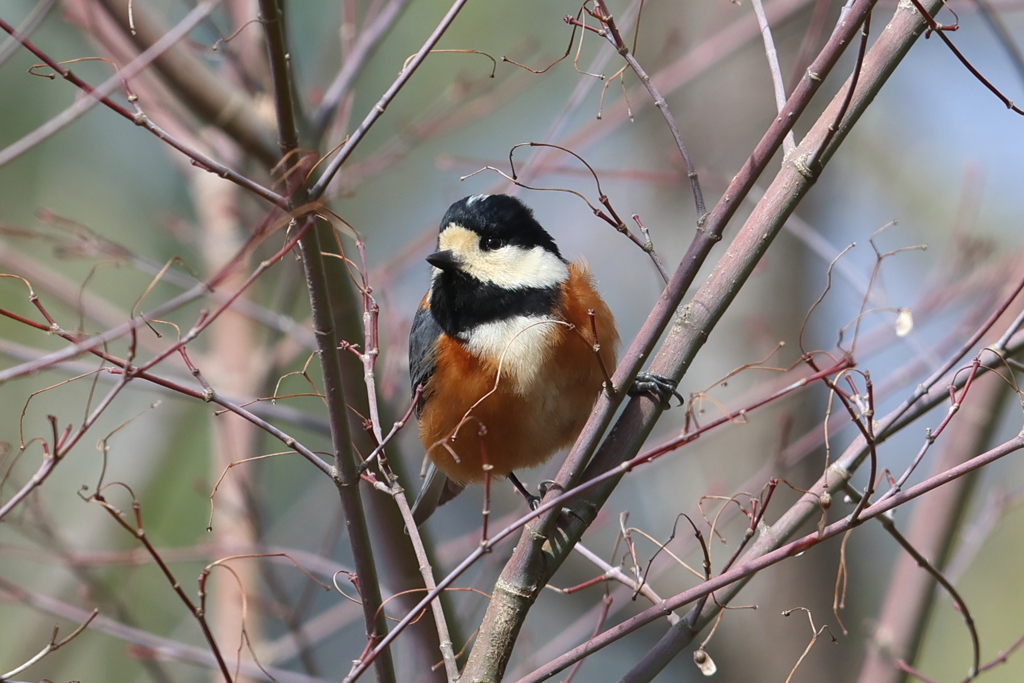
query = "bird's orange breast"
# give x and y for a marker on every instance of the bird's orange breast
(471, 416)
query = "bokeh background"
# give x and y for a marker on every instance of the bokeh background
(936, 153)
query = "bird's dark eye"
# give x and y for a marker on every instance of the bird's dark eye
(491, 243)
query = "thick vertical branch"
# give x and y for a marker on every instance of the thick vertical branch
(346, 476)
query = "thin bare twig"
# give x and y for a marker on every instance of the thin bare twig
(377, 111)
(52, 646)
(747, 568)
(390, 485)
(369, 38)
(778, 87)
(164, 647)
(940, 30)
(611, 33)
(890, 527)
(139, 533)
(100, 94)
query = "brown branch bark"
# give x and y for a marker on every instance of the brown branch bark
(209, 95)
(912, 594)
(542, 547)
(346, 476)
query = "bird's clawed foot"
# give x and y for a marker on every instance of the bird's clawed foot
(531, 500)
(658, 387)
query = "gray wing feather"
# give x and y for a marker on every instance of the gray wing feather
(422, 348)
(437, 489)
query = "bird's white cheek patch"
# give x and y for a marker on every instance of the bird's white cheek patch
(517, 268)
(511, 267)
(521, 345)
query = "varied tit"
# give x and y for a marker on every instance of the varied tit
(502, 348)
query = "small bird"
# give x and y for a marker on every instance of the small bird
(502, 349)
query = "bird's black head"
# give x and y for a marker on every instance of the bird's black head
(499, 219)
(494, 261)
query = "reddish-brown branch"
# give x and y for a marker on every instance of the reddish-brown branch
(940, 30)
(611, 33)
(139, 532)
(142, 372)
(746, 569)
(547, 506)
(100, 95)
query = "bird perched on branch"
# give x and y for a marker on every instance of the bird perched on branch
(503, 349)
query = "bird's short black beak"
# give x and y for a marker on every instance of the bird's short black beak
(445, 260)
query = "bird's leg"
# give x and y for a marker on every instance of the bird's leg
(531, 500)
(534, 501)
(658, 387)
(595, 346)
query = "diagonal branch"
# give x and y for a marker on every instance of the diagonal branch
(542, 549)
(611, 33)
(732, 580)
(378, 110)
(212, 97)
(160, 46)
(931, 529)
(369, 38)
